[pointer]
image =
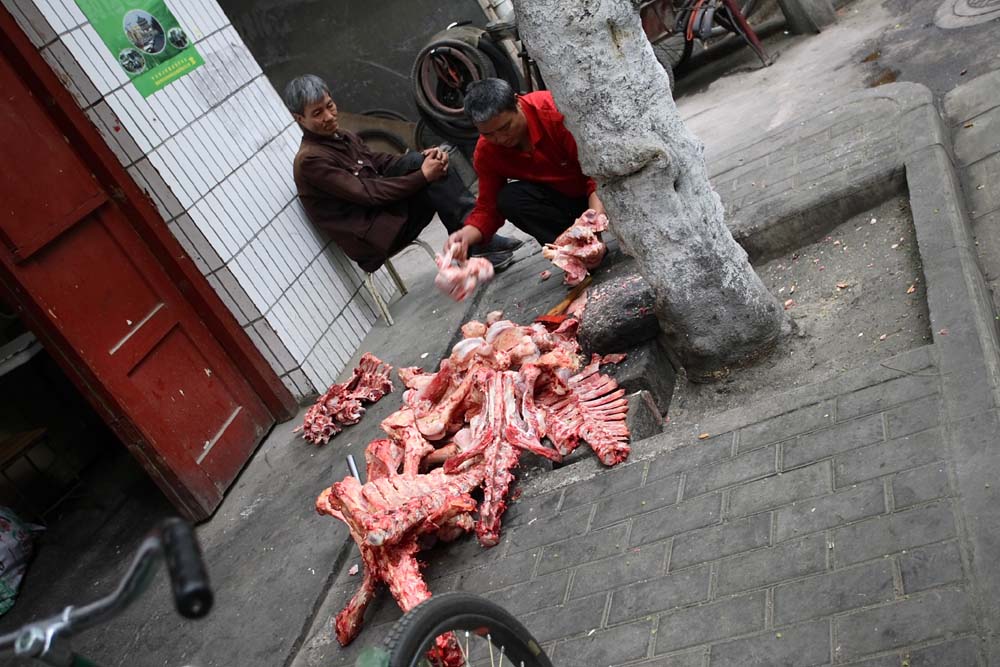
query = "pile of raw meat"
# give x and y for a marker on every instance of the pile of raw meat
(505, 389)
(579, 248)
(341, 405)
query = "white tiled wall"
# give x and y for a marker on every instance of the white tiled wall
(214, 151)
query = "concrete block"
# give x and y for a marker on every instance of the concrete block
(523, 510)
(906, 622)
(689, 515)
(804, 645)
(659, 594)
(889, 457)
(636, 564)
(833, 593)
(920, 485)
(592, 546)
(963, 651)
(780, 489)
(809, 516)
(645, 499)
(732, 537)
(752, 465)
(710, 622)
(623, 643)
(930, 567)
(769, 566)
(972, 98)
(647, 368)
(644, 419)
(821, 444)
(619, 314)
(886, 535)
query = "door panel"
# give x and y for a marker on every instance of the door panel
(167, 385)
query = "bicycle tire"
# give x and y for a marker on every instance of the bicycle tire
(413, 634)
(391, 138)
(388, 114)
(481, 64)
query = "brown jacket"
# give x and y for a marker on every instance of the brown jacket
(343, 189)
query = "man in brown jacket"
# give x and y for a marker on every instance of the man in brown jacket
(373, 204)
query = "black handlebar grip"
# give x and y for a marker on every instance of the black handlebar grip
(188, 578)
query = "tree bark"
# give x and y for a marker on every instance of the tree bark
(714, 310)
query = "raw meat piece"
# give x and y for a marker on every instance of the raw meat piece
(459, 279)
(341, 405)
(473, 329)
(493, 316)
(579, 248)
(386, 517)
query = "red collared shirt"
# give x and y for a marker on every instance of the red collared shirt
(552, 161)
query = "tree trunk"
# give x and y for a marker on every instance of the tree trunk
(596, 60)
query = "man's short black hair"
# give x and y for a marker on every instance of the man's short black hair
(303, 91)
(487, 98)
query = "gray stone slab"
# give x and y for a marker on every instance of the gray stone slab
(905, 622)
(920, 485)
(636, 564)
(958, 653)
(781, 428)
(555, 528)
(608, 483)
(652, 496)
(781, 489)
(752, 465)
(646, 368)
(691, 514)
(614, 646)
(572, 618)
(887, 394)
(592, 546)
(644, 419)
(539, 593)
(886, 535)
(799, 646)
(972, 98)
(771, 565)
(980, 140)
(697, 453)
(829, 441)
(833, 592)
(913, 417)
(715, 621)
(500, 574)
(850, 504)
(889, 457)
(930, 567)
(652, 596)
(686, 659)
(731, 537)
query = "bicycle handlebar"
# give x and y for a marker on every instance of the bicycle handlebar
(175, 541)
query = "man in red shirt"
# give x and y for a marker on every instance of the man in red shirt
(528, 168)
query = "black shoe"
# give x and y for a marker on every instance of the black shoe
(499, 260)
(497, 244)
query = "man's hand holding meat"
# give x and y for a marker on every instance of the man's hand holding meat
(528, 167)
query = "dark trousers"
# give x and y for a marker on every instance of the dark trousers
(448, 197)
(539, 210)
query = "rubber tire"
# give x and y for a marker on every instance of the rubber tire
(748, 7)
(387, 114)
(455, 611)
(385, 135)
(506, 69)
(478, 58)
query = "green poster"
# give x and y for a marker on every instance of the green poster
(148, 42)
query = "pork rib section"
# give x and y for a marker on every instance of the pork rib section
(579, 248)
(458, 279)
(341, 404)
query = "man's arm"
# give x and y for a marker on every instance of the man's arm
(485, 219)
(343, 184)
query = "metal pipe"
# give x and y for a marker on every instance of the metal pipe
(353, 467)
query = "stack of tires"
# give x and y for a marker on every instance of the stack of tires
(443, 69)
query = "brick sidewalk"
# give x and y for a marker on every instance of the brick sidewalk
(851, 522)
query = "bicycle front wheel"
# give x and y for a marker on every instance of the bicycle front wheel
(461, 630)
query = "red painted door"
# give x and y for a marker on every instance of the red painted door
(99, 296)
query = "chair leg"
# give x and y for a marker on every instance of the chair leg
(395, 277)
(379, 301)
(427, 248)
